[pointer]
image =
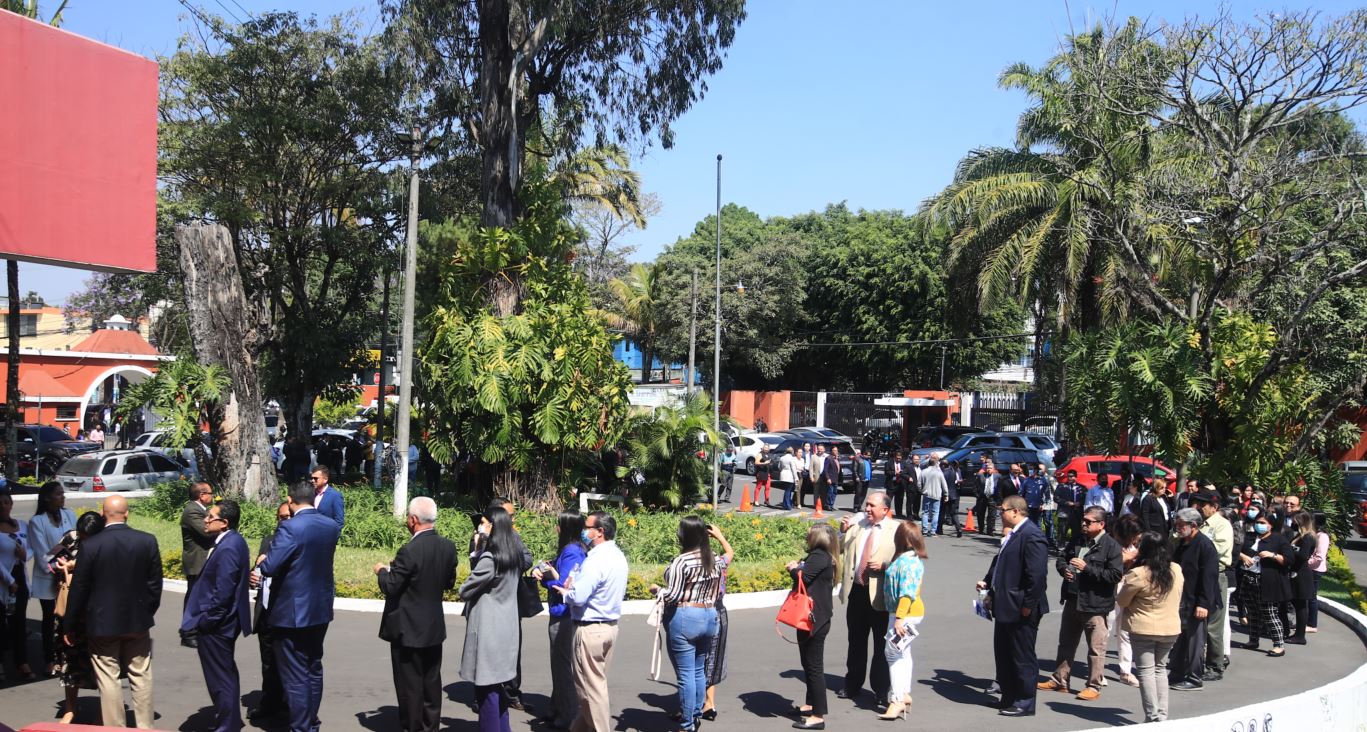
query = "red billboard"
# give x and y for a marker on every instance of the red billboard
(78, 150)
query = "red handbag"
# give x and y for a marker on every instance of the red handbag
(796, 609)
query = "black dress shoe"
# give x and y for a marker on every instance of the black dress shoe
(800, 724)
(1186, 686)
(845, 694)
(1212, 675)
(710, 715)
(1295, 641)
(189, 642)
(1016, 712)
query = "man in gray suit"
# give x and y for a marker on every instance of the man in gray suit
(195, 544)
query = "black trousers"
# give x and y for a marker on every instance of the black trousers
(897, 494)
(861, 491)
(949, 513)
(811, 649)
(862, 621)
(1013, 646)
(985, 511)
(1187, 661)
(914, 502)
(417, 683)
(15, 627)
(220, 676)
(272, 693)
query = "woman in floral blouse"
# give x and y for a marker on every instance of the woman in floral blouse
(902, 595)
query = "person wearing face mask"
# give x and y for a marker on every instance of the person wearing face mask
(1200, 563)
(1267, 558)
(560, 627)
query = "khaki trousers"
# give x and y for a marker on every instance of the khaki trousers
(1074, 624)
(592, 654)
(110, 654)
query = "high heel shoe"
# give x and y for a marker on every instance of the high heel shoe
(895, 710)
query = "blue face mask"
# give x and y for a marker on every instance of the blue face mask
(1261, 528)
(584, 537)
(1251, 513)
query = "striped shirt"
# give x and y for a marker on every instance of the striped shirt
(687, 581)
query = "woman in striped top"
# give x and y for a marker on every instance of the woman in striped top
(692, 582)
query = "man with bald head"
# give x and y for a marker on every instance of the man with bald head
(117, 592)
(412, 622)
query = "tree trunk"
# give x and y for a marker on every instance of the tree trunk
(12, 376)
(224, 334)
(296, 406)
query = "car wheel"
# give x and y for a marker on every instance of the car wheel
(750, 466)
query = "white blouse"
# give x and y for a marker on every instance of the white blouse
(43, 536)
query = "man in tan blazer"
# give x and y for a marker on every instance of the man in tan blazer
(866, 549)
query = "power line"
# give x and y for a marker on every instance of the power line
(927, 341)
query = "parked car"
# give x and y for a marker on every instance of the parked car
(748, 447)
(119, 470)
(1088, 467)
(970, 459)
(49, 446)
(1355, 491)
(883, 420)
(156, 440)
(943, 435)
(823, 433)
(846, 454)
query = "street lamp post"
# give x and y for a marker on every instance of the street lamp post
(410, 270)
(716, 354)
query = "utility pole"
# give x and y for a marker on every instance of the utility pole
(384, 352)
(716, 354)
(942, 367)
(410, 271)
(693, 339)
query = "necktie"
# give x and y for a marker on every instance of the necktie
(864, 556)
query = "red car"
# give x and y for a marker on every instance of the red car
(1088, 467)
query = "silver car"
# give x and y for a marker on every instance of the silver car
(119, 470)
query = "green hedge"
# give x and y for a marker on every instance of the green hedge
(648, 539)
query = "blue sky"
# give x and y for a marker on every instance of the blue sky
(870, 102)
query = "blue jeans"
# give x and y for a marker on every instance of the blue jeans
(930, 516)
(788, 489)
(690, 633)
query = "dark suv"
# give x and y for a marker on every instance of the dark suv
(52, 445)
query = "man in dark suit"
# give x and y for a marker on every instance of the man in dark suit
(218, 610)
(950, 512)
(1195, 553)
(117, 592)
(412, 585)
(913, 507)
(830, 476)
(326, 499)
(300, 567)
(194, 544)
(892, 474)
(989, 494)
(272, 704)
(1017, 583)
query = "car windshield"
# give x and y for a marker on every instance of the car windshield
(81, 467)
(52, 434)
(1356, 485)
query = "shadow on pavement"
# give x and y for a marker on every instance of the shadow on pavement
(1113, 716)
(200, 720)
(959, 687)
(766, 704)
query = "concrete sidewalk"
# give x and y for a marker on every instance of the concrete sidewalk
(953, 666)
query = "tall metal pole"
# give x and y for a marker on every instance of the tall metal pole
(384, 352)
(716, 354)
(693, 339)
(410, 271)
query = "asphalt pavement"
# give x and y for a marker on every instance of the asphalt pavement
(953, 667)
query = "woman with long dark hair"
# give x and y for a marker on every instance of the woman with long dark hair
(73, 661)
(818, 574)
(569, 555)
(489, 659)
(51, 521)
(1152, 595)
(12, 584)
(692, 583)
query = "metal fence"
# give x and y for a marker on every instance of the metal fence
(848, 412)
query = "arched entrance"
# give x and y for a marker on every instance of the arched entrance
(105, 389)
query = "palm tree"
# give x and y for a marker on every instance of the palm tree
(1029, 222)
(663, 448)
(637, 311)
(29, 9)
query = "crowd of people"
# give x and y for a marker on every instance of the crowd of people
(1152, 569)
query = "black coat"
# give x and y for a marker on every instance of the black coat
(1200, 574)
(1303, 584)
(1152, 516)
(952, 477)
(1275, 584)
(818, 574)
(1019, 575)
(1094, 586)
(117, 586)
(423, 569)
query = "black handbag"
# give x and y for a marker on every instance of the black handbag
(528, 597)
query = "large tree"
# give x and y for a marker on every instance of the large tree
(280, 129)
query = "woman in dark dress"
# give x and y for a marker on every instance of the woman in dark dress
(73, 659)
(818, 574)
(1303, 577)
(1267, 559)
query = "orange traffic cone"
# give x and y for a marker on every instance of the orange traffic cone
(817, 513)
(745, 505)
(969, 525)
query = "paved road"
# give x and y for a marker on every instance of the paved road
(953, 665)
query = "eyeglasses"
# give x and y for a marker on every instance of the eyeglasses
(316, 478)
(1086, 521)
(207, 519)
